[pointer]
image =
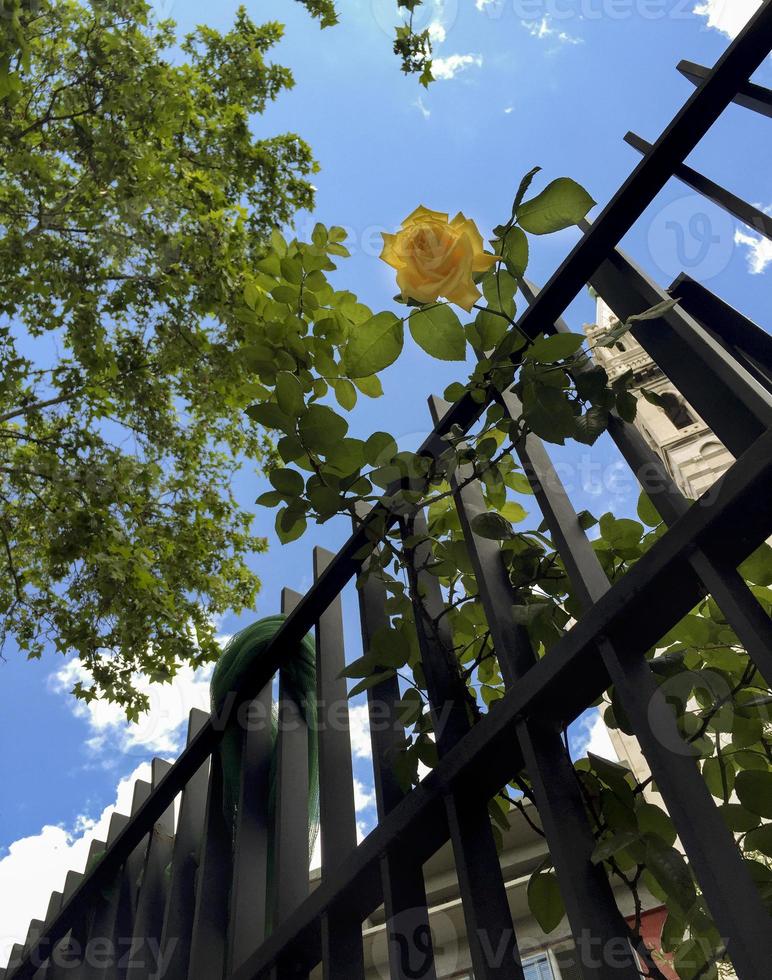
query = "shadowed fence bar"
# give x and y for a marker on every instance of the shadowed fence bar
(223, 902)
(752, 96)
(722, 198)
(343, 954)
(180, 901)
(404, 892)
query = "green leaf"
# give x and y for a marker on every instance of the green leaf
(607, 848)
(371, 387)
(654, 399)
(289, 394)
(754, 791)
(492, 526)
(485, 334)
(371, 681)
(513, 512)
(289, 530)
(545, 901)
(591, 426)
(522, 190)
(346, 456)
(270, 415)
(288, 482)
(647, 511)
(321, 429)
(524, 615)
(270, 499)
(438, 331)
(373, 345)
(290, 448)
(669, 868)
(549, 350)
(514, 249)
(346, 394)
(760, 839)
(252, 294)
(380, 448)
(560, 205)
(620, 532)
(655, 312)
(548, 412)
(499, 288)
(758, 568)
(653, 820)
(410, 708)
(627, 406)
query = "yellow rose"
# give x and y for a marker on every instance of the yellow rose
(435, 257)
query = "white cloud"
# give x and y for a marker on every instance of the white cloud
(727, 16)
(359, 731)
(593, 736)
(422, 107)
(543, 29)
(364, 797)
(493, 8)
(444, 69)
(759, 248)
(37, 865)
(509, 110)
(160, 730)
(437, 32)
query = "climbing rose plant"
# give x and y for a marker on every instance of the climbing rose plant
(315, 350)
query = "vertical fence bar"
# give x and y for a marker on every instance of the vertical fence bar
(290, 868)
(743, 611)
(411, 956)
(177, 931)
(129, 884)
(343, 954)
(210, 921)
(35, 931)
(65, 956)
(588, 897)
(709, 844)
(101, 962)
(151, 901)
(490, 932)
(744, 339)
(249, 896)
(735, 405)
(54, 904)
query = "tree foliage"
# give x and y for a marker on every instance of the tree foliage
(133, 198)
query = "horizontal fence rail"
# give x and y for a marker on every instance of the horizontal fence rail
(219, 890)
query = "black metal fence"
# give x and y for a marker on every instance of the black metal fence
(202, 894)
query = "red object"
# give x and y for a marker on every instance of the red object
(652, 923)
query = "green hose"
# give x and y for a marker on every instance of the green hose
(299, 675)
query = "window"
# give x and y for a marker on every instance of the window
(539, 968)
(673, 406)
(535, 968)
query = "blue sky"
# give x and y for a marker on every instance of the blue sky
(554, 83)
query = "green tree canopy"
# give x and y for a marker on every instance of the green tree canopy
(133, 197)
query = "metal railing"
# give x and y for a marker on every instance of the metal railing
(201, 891)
